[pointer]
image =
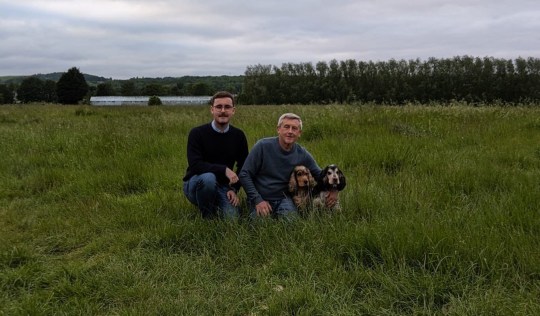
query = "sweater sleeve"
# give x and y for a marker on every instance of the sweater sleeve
(249, 169)
(240, 160)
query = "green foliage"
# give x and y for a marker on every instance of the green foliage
(154, 100)
(128, 88)
(71, 87)
(105, 89)
(7, 95)
(462, 78)
(187, 85)
(49, 89)
(174, 86)
(201, 89)
(32, 89)
(154, 89)
(439, 216)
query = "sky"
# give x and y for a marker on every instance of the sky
(122, 39)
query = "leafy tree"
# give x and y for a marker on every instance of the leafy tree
(257, 81)
(128, 88)
(153, 89)
(105, 89)
(173, 90)
(31, 90)
(201, 89)
(6, 94)
(71, 87)
(49, 91)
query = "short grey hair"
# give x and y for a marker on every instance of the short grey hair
(290, 116)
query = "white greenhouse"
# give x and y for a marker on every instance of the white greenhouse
(165, 100)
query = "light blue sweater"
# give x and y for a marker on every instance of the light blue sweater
(266, 171)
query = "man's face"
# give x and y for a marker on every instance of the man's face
(289, 131)
(222, 110)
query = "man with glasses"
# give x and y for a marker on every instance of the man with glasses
(213, 149)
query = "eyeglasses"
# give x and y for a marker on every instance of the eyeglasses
(220, 107)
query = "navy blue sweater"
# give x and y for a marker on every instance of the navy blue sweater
(210, 151)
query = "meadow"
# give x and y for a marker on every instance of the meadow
(440, 215)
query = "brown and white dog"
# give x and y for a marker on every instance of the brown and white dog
(333, 180)
(301, 185)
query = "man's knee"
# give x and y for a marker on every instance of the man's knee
(206, 180)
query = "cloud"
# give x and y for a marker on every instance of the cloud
(123, 39)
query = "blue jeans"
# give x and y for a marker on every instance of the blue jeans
(283, 209)
(210, 197)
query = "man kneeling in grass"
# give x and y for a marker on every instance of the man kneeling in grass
(212, 151)
(265, 174)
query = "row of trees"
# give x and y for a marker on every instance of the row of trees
(468, 79)
(70, 89)
(43, 88)
(395, 82)
(131, 88)
(187, 85)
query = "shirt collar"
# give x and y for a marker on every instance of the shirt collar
(214, 127)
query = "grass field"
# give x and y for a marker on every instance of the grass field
(440, 215)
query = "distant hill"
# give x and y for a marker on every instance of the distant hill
(218, 82)
(55, 76)
(91, 79)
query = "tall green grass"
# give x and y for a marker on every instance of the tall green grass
(440, 215)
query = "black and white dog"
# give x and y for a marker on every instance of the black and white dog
(333, 179)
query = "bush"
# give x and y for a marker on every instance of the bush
(154, 101)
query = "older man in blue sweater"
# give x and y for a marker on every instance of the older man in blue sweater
(266, 171)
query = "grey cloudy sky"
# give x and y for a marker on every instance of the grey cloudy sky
(157, 38)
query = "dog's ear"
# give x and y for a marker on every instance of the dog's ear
(342, 181)
(293, 186)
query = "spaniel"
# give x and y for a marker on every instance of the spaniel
(301, 184)
(333, 180)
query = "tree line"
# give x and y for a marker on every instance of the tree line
(44, 88)
(187, 85)
(70, 88)
(463, 78)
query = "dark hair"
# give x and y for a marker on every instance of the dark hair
(222, 94)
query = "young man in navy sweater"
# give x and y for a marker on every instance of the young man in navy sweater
(213, 150)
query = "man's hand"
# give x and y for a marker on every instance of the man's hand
(263, 208)
(233, 198)
(331, 199)
(233, 178)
